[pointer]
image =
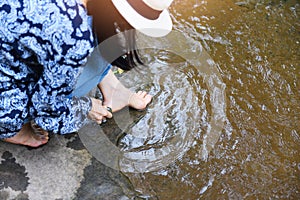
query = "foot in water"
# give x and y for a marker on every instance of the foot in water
(30, 135)
(117, 96)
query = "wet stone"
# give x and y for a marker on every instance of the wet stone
(105, 185)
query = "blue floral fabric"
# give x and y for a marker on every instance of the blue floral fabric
(43, 45)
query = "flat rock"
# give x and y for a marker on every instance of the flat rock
(61, 169)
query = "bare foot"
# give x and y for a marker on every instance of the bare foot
(117, 96)
(30, 135)
(139, 100)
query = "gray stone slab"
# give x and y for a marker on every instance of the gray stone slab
(62, 169)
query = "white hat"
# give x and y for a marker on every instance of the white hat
(150, 17)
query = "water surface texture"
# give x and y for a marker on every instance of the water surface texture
(255, 45)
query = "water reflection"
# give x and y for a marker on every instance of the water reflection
(256, 49)
(171, 123)
(168, 130)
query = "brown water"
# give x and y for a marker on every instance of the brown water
(257, 156)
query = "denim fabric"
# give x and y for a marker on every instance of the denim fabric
(94, 71)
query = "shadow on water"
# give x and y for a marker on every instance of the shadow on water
(256, 48)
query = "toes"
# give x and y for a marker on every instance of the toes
(37, 143)
(38, 130)
(139, 93)
(30, 135)
(140, 100)
(142, 94)
(39, 136)
(38, 139)
(146, 97)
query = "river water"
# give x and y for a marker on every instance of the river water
(255, 48)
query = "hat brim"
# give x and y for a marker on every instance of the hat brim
(154, 28)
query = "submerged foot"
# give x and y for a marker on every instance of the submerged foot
(117, 96)
(30, 135)
(139, 100)
(123, 97)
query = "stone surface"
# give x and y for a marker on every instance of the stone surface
(62, 169)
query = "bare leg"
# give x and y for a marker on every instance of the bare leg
(117, 96)
(32, 136)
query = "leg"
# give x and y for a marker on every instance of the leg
(117, 96)
(30, 135)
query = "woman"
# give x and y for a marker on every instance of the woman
(149, 17)
(44, 46)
